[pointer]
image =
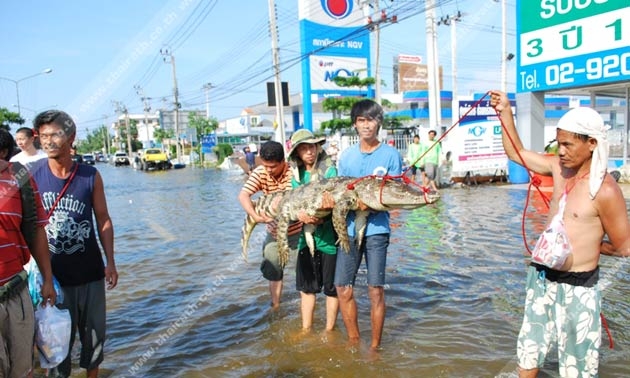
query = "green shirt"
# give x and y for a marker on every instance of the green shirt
(432, 155)
(414, 151)
(324, 235)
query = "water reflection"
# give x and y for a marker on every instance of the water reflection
(188, 306)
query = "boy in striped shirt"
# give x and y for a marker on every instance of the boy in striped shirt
(271, 176)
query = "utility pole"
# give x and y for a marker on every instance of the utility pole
(206, 88)
(375, 26)
(280, 132)
(504, 58)
(433, 68)
(121, 108)
(452, 21)
(377, 54)
(169, 58)
(147, 109)
(105, 136)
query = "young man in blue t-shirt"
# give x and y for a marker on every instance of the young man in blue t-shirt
(368, 157)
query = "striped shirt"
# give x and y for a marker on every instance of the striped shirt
(14, 252)
(261, 181)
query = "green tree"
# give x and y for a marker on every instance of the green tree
(160, 134)
(202, 126)
(95, 140)
(341, 106)
(8, 117)
(133, 132)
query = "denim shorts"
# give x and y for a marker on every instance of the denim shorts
(374, 248)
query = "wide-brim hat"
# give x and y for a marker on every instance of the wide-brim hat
(303, 136)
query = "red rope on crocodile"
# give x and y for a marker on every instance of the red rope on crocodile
(402, 176)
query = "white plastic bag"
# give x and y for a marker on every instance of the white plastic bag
(52, 337)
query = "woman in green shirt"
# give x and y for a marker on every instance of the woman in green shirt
(313, 274)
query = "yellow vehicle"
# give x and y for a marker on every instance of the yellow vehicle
(154, 159)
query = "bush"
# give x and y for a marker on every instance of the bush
(222, 150)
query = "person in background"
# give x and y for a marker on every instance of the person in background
(414, 154)
(271, 176)
(563, 301)
(333, 150)
(368, 157)
(73, 195)
(431, 161)
(17, 322)
(310, 162)
(250, 158)
(26, 142)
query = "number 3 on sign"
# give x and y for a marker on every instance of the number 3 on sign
(535, 48)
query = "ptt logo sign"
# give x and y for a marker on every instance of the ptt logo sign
(477, 131)
(337, 9)
(343, 72)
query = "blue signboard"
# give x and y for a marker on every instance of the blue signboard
(207, 142)
(334, 37)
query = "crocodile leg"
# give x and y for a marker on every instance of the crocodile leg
(340, 212)
(308, 236)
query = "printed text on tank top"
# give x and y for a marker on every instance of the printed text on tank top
(553, 247)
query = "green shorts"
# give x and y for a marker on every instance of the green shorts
(270, 266)
(561, 313)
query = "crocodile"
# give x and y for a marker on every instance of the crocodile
(376, 193)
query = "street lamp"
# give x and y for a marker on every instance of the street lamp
(17, 82)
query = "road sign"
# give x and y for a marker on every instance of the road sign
(571, 43)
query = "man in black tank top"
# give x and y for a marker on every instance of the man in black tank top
(72, 195)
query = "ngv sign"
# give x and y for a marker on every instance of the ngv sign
(343, 72)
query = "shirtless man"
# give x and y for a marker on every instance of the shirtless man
(562, 290)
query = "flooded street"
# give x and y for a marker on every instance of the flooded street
(187, 305)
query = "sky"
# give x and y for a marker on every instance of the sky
(106, 56)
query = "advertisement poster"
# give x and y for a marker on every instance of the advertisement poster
(475, 142)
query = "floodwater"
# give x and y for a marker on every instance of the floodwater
(187, 305)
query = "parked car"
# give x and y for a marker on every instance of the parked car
(89, 159)
(77, 158)
(100, 157)
(120, 158)
(154, 159)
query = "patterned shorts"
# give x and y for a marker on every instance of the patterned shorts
(564, 314)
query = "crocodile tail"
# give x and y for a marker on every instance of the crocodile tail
(266, 205)
(360, 224)
(282, 239)
(246, 233)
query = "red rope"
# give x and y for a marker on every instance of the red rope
(385, 178)
(63, 190)
(476, 104)
(611, 344)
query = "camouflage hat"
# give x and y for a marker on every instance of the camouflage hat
(303, 136)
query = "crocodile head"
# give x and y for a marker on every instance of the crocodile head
(387, 194)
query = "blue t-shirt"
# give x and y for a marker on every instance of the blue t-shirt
(385, 160)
